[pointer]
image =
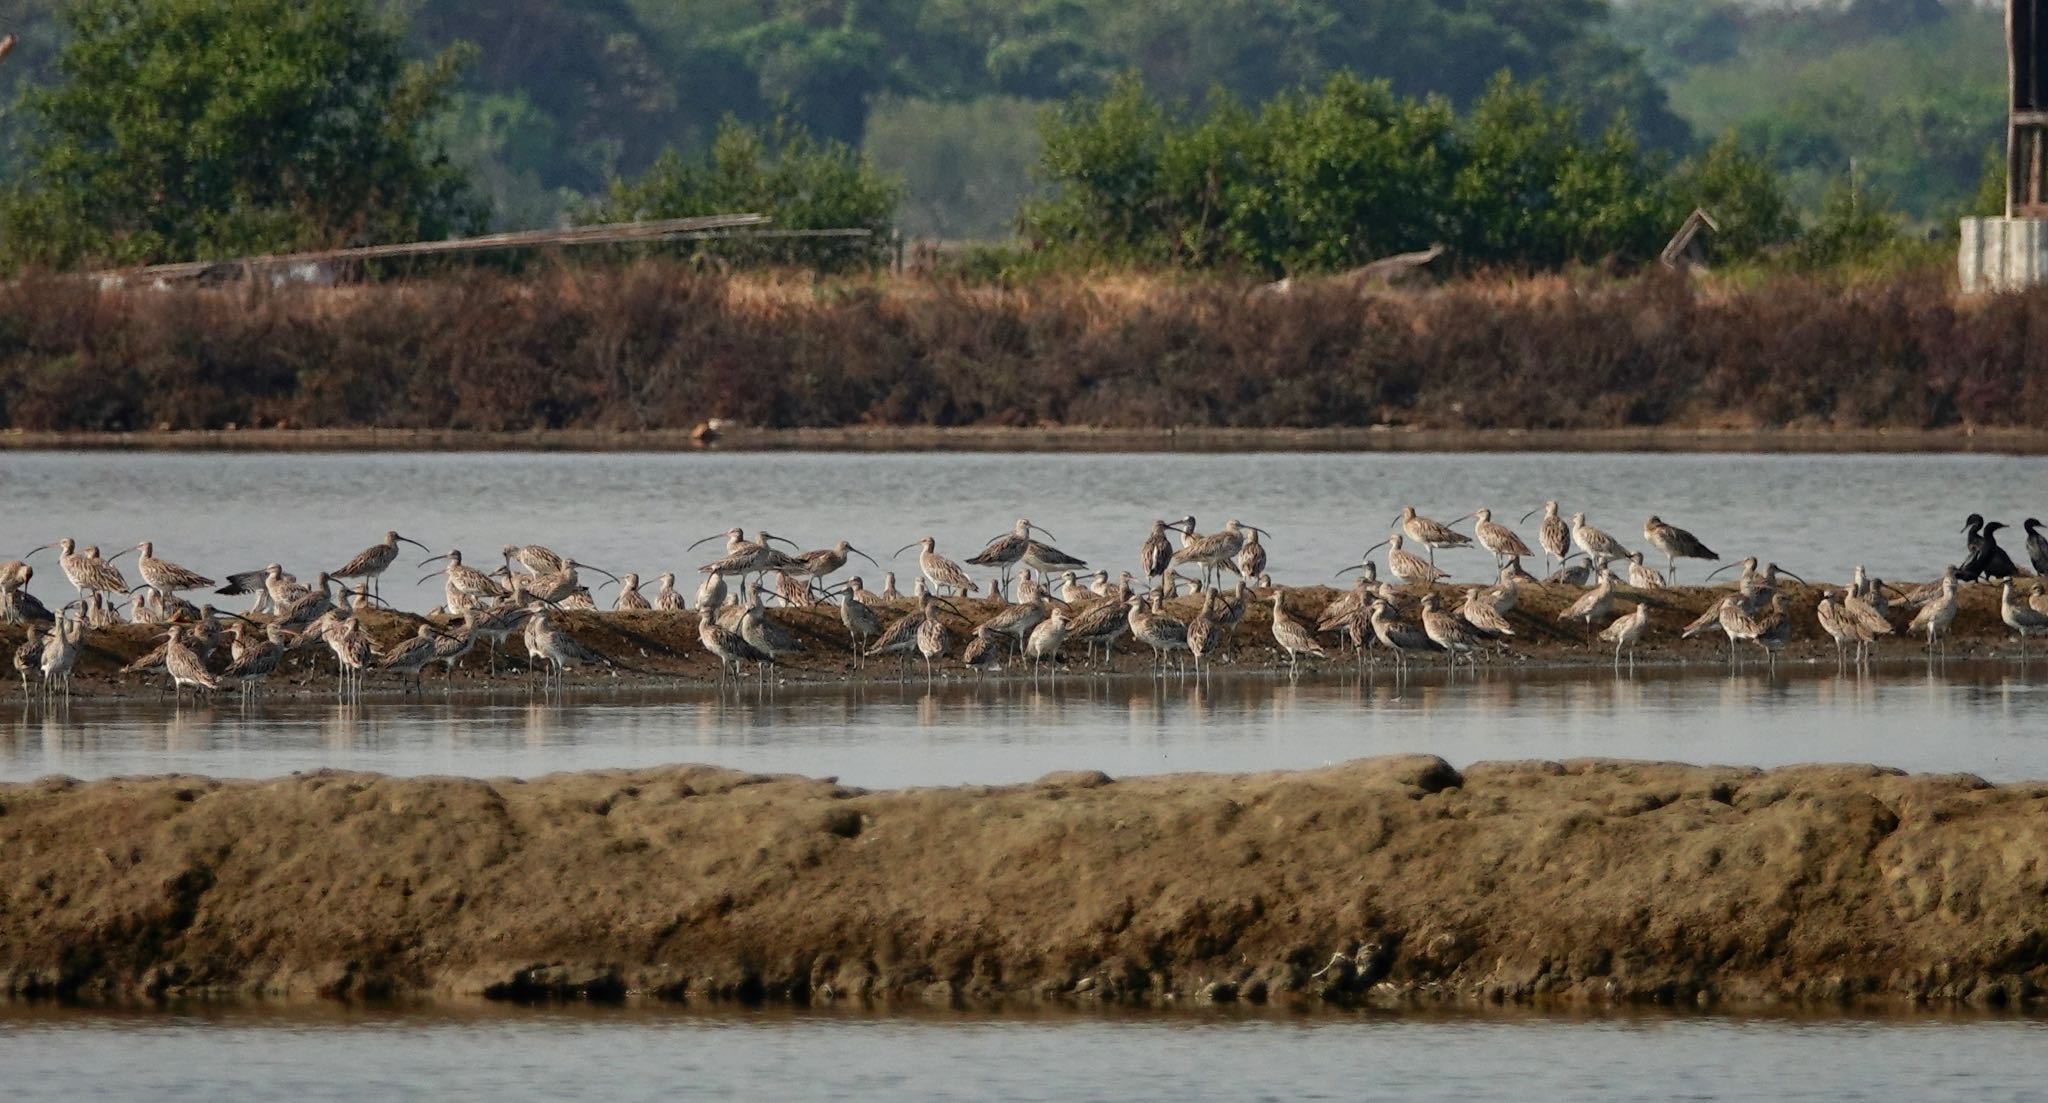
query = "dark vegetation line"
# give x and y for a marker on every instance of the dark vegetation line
(662, 345)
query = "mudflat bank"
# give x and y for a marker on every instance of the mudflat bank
(649, 647)
(1393, 881)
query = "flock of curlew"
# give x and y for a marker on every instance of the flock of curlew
(1055, 610)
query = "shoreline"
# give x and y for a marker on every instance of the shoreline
(1397, 883)
(1059, 438)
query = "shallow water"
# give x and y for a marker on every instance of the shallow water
(1815, 515)
(1985, 718)
(575, 1054)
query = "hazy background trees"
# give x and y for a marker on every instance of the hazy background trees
(1849, 113)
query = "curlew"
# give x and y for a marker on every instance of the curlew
(1045, 641)
(1837, 625)
(1151, 626)
(452, 644)
(371, 563)
(1626, 631)
(1675, 543)
(1018, 546)
(765, 634)
(1448, 632)
(2024, 619)
(1935, 616)
(1406, 565)
(1552, 533)
(630, 600)
(28, 655)
(61, 648)
(1599, 547)
(934, 640)
(163, 576)
(825, 562)
(1430, 534)
(1207, 631)
(1155, 555)
(548, 642)
(1292, 635)
(466, 579)
(859, 619)
(725, 644)
(1497, 538)
(666, 599)
(711, 593)
(536, 558)
(1251, 558)
(1102, 623)
(1481, 611)
(86, 571)
(943, 574)
(1643, 577)
(1396, 636)
(1216, 550)
(409, 657)
(1594, 604)
(307, 607)
(983, 652)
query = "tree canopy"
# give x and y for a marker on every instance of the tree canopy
(193, 129)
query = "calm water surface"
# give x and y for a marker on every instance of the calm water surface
(1988, 719)
(777, 1056)
(1815, 515)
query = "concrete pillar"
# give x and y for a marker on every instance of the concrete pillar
(2003, 254)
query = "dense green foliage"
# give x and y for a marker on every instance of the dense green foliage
(1354, 172)
(781, 171)
(1759, 112)
(163, 142)
(1911, 91)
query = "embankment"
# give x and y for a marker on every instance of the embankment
(1388, 880)
(659, 347)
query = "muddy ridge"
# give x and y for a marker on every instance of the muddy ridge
(1395, 881)
(647, 647)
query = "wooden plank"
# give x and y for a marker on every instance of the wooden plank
(603, 234)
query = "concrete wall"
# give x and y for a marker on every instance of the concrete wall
(2003, 254)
